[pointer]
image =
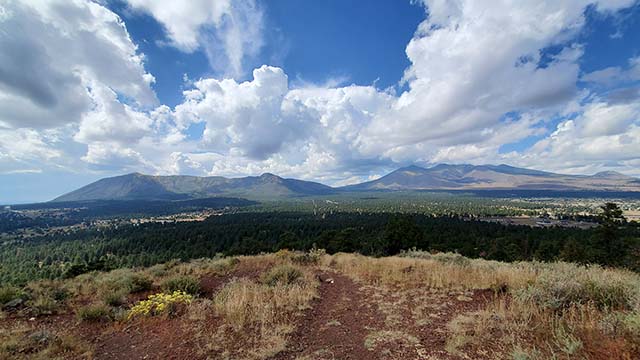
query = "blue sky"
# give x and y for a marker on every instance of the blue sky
(314, 41)
(333, 91)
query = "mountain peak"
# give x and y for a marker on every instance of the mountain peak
(270, 176)
(177, 187)
(129, 175)
(610, 174)
(493, 177)
(411, 168)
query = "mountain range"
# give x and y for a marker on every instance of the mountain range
(495, 177)
(138, 186)
(440, 177)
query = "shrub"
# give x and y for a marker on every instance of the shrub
(158, 270)
(629, 323)
(556, 289)
(312, 257)
(46, 297)
(442, 257)
(125, 280)
(10, 293)
(94, 313)
(159, 304)
(138, 283)
(184, 283)
(283, 254)
(41, 344)
(243, 302)
(42, 305)
(282, 275)
(113, 298)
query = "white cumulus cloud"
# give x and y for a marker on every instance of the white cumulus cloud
(74, 92)
(51, 52)
(228, 31)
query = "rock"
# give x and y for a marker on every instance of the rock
(13, 303)
(329, 280)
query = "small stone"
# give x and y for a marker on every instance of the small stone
(329, 280)
(13, 303)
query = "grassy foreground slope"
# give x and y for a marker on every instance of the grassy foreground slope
(291, 305)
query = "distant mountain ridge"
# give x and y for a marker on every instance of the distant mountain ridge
(494, 177)
(440, 177)
(137, 186)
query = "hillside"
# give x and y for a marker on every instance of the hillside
(293, 305)
(139, 186)
(494, 177)
(269, 186)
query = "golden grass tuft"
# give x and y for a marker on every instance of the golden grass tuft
(407, 272)
(540, 310)
(261, 314)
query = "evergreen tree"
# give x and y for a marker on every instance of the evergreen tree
(609, 244)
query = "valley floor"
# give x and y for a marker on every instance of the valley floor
(314, 306)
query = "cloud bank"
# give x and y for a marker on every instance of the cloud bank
(482, 77)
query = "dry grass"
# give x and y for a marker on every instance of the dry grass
(248, 317)
(541, 311)
(46, 297)
(261, 314)
(201, 267)
(126, 281)
(528, 330)
(251, 316)
(24, 342)
(407, 272)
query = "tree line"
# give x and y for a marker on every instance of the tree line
(614, 243)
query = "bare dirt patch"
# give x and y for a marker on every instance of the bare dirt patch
(337, 325)
(354, 321)
(148, 339)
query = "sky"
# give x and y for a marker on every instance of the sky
(331, 91)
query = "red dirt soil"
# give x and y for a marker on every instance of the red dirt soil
(348, 320)
(158, 338)
(336, 326)
(346, 316)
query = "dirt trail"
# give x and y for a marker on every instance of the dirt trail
(337, 325)
(348, 320)
(354, 321)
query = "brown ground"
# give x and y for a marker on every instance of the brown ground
(348, 320)
(352, 321)
(158, 338)
(337, 325)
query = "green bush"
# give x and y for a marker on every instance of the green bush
(43, 305)
(114, 298)
(10, 293)
(188, 284)
(443, 257)
(631, 323)
(94, 313)
(138, 283)
(46, 297)
(125, 280)
(563, 285)
(282, 275)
